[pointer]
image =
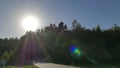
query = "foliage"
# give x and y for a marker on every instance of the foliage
(101, 46)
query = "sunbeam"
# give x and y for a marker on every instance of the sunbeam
(31, 49)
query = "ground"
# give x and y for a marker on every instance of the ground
(52, 65)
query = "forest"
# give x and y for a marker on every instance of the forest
(58, 44)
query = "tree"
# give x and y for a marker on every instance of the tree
(115, 28)
(6, 55)
(76, 25)
(98, 29)
(62, 27)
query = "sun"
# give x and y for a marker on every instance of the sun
(30, 23)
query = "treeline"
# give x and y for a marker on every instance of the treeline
(95, 46)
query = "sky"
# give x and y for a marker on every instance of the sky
(88, 13)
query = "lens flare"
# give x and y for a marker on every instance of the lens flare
(75, 51)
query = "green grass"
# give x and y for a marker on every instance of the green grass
(25, 66)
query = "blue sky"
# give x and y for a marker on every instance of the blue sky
(88, 12)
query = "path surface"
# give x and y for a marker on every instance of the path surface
(52, 65)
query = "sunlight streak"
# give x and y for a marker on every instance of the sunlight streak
(31, 49)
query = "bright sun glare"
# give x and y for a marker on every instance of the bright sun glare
(30, 23)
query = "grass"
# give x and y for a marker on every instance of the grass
(25, 66)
